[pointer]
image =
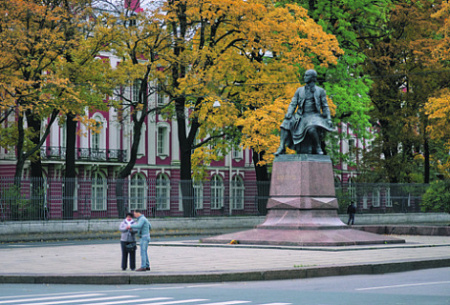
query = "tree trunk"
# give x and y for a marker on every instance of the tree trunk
(70, 173)
(184, 141)
(426, 153)
(262, 182)
(126, 171)
(20, 153)
(37, 190)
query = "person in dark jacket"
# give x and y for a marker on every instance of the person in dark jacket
(128, 242)
(351, 211)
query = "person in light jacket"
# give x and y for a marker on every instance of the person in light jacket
(127, 240)
(143, 231)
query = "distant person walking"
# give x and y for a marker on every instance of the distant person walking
(351, 211)
(142, 227)
(128, 242)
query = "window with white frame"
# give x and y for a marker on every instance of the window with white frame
(217, 191)
(376, 197)
(352, 189)
(141, 147)
(98, 138)
(198, 194)
(95, 140)
(138, 192)
(238, 154)
(97, 133)
(135, 89)
(98, 192)
(162, 192)
(388, 197)
(160, 95)
(365, 200)
(237, 193)
(163, 141)
(63, 142)
(351, 149)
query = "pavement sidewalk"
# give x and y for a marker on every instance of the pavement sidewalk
(191, 261)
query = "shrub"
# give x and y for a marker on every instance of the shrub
(437, 197)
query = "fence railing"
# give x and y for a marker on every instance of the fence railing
(85, 154)
(381, 197)
(44, 199)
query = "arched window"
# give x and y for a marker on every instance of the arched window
(138, 192)
(238, 154)
(198, 194)
(38, 195)
(98, 138)
(376, 197)
(162, 192)
(237, 193)
(216, 192)
(98, 192)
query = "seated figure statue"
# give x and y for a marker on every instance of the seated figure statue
(302, 130)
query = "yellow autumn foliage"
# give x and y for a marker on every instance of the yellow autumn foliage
(437, 107)
(247, 55)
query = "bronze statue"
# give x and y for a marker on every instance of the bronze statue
(304, 129)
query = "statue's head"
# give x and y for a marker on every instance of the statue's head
(310, 76)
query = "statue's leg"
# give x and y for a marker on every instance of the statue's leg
(284, 135)
(315, 139)
(289, 141)
(305, 146)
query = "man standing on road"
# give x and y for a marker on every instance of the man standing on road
(142, 227)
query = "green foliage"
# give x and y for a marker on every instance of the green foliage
(352, 22)
(404, 78)
(437, 197)
(20, 207)
(344, 199)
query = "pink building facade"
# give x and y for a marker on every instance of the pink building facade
(154, 182)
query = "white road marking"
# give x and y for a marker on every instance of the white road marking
(87, 300)
(135, 300)
(403, 285)
(62, 294)
(176, 302)
(51, 298)
(277, 304)
(228, 303)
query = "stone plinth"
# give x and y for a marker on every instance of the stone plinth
(302, 209)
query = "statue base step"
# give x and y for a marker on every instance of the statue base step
(322, 236)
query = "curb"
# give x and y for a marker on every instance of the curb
(267, 275)
(422, 230)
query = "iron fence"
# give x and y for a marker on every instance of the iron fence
(381, 197)
(84, 154)
(44, 199)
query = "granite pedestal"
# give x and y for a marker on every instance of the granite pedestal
(302, 209)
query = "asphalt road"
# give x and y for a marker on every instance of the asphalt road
(424, 287)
